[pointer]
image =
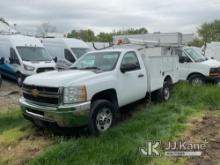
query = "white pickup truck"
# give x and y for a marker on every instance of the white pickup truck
(97, 85)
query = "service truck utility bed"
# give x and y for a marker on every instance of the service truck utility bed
(159, 61)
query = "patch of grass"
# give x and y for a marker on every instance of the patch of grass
(13, 127)
(12, 136)
(120, 144)
(11, 120)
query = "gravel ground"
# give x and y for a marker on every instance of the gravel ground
(9, 95)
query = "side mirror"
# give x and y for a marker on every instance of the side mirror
(128, 67)
(55, 59)
(181, 59)
(2, 60)
(11, 60)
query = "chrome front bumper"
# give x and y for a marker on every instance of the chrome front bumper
(64, 116)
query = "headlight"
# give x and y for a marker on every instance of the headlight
(28, 68)
(214, 72)
(74, 95)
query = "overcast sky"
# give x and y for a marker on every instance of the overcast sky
(106, 15)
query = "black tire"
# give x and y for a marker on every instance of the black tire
(95, 123)
(19, 79)
(196, 80)
(163, 94)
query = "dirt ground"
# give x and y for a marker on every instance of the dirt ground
(9, 95)
(205, 129)
(32, 142)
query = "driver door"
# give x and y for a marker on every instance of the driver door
(184, 65)
(132, 82)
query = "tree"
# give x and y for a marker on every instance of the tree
(45, 28)
(197, 42)
(86, 35)
(89, 35)
(210, 31)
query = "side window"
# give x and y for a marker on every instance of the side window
(13, 57)
(68, 55)
(131, 59)
(182, 56)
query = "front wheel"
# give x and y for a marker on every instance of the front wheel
(19, 79)
(196, 80)
(102, 116)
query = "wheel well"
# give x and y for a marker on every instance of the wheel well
(168, 79)
(195, 73)
(109, 94)
(18, 72)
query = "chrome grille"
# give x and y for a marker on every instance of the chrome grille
(42, 95)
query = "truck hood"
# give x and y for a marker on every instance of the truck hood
(211, 63)
(58, 78)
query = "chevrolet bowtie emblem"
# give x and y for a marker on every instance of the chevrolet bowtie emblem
(34, 93)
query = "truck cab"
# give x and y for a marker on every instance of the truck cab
(196, 68)
(22, 56)
(92, 90)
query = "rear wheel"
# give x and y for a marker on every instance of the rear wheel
(19, 79)
(163, 94)
(196, 80)
(102, 116)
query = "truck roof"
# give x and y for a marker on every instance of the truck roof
(21, 40)
(69, 42)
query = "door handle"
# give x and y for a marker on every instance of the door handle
(140, 75)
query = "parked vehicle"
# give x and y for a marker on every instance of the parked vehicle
(21, 56)
(97, 85)
(193, 66)
(65, 50)
(212, 50)
(197, 69)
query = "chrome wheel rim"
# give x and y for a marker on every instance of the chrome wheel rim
(19, 80)
(197, 81)
(166, 93)
(104, 119)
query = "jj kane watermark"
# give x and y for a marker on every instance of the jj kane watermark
(178, 148)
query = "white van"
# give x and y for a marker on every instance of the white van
(212, 50)
(21, 56)
(193, 66)
(65, 50)
(196, 68)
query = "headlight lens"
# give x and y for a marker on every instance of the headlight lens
(28, 68)
(74, 95)
(214, 72)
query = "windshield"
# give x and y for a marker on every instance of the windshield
(195, 55)
(33, 54)
(104, 61)
(80, 51)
